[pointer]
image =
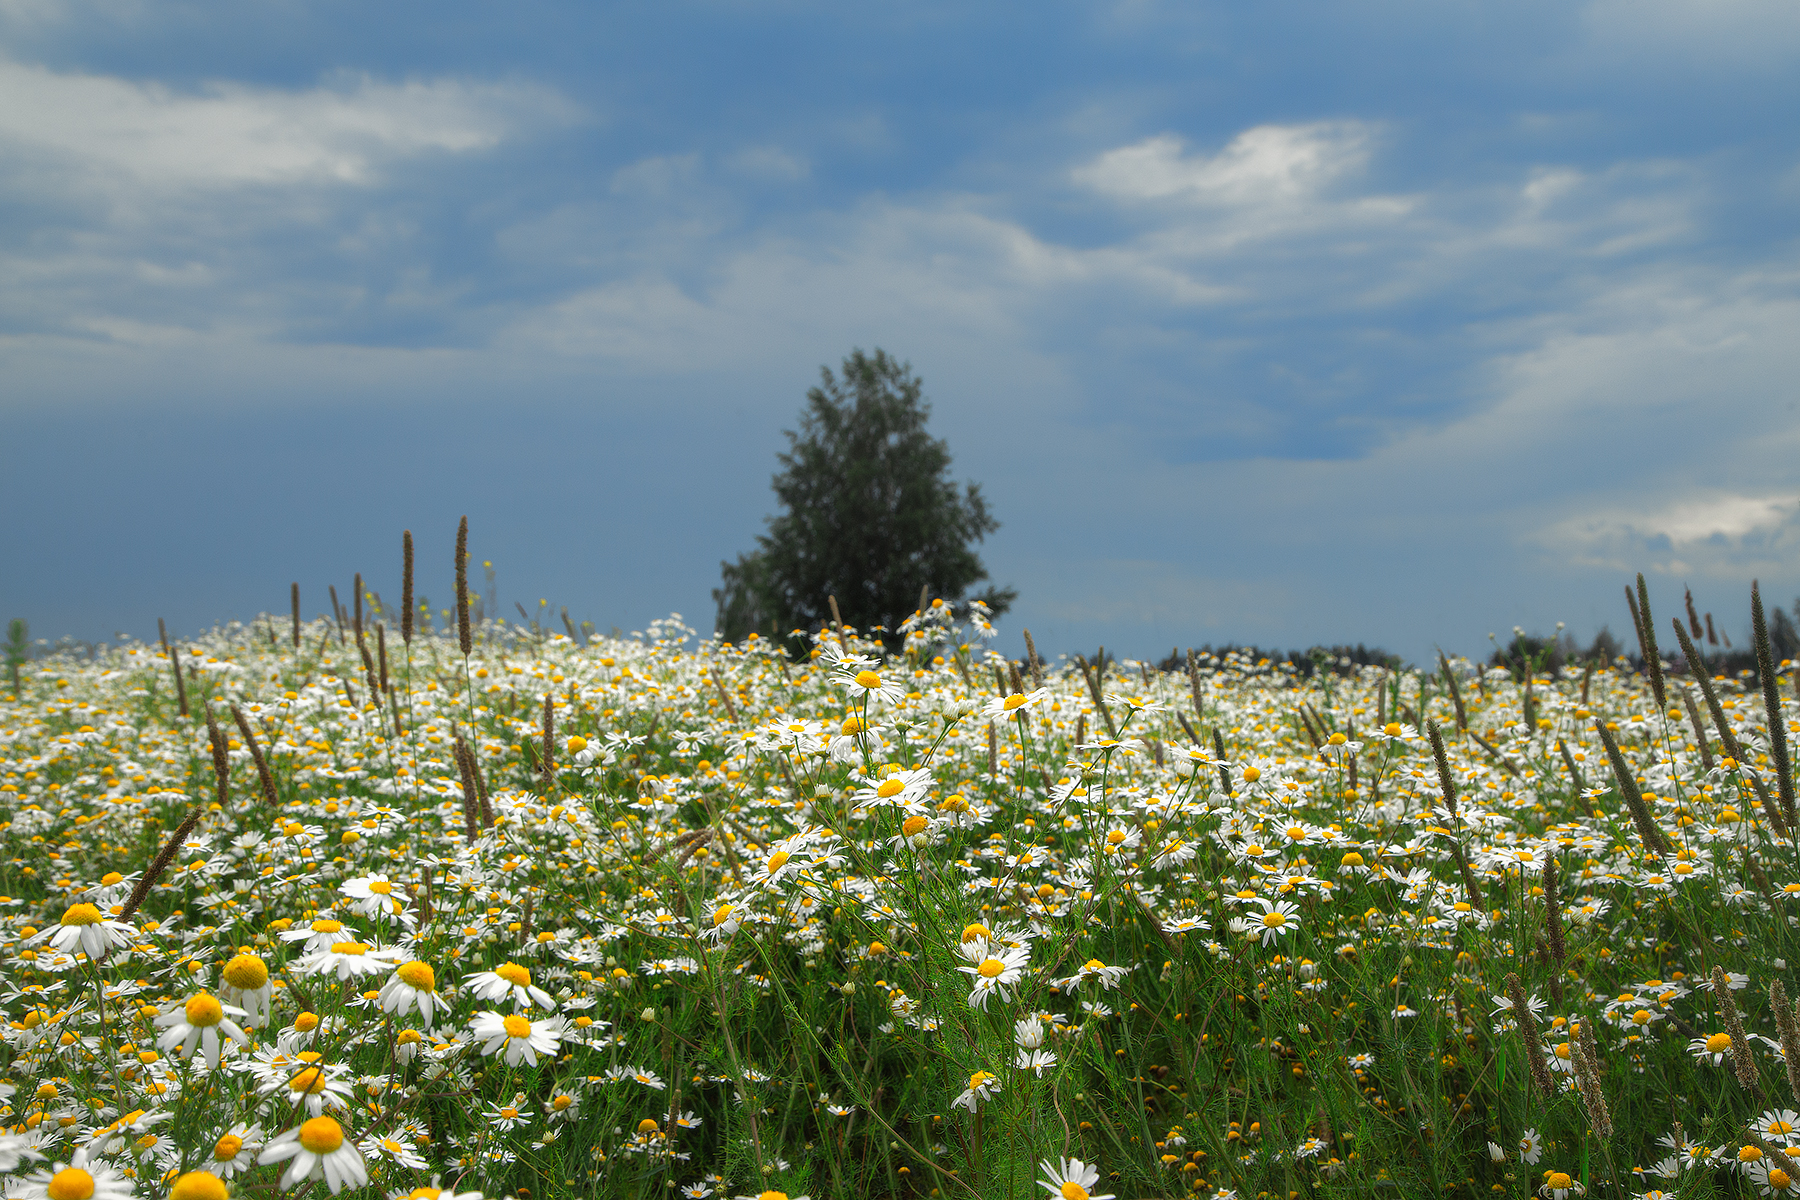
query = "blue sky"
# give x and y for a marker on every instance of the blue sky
(1283, 323)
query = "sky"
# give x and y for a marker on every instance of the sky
(1388, 322)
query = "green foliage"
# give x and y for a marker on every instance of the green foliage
(869, 514)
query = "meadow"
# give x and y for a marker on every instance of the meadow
(369, 906)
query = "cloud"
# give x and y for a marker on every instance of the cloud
(1703, 532)
(770, 163)
(231, 135)
(1269, 164)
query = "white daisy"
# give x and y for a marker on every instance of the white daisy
(246, 980)
(518, 1037)
(80, 1179)
(84, 928)
(1072, 1179)
(320, 1151)
(510, 979)
(413, 986)
(199, 1021)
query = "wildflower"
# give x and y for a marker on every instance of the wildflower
(519, 1037)
(1531, 1147)
(868, 683)
(79, 1180)
(315, 1085)
(246, 980)
(1072, 1179)
(982, 1087)
(995, 969)
(902, 789)
(198, 1185)
(199, 1021)
(83, 927)
(235, 1150)
(1277, 917)
(347, 960)
(433, 1191)
(413, 985)
(1093, 970)
(1013, 705)
(1714, 1046)
(320, 1151)
(1035, 1061)
(374, 895)
(319, 934)
(510, 979)
(1558, 1185)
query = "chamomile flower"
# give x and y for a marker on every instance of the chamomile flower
(78, 1179)
(198, 1022)
(318, 934)
(83, 927)
(510, 979)
(198, 1185)
(348, 960)
(1016, 704)
(319, 1150)
(983, 1086)
(1071, 1179)
(433, 1191)
(234, 1151)
(859, 678)
(374, 895)
(515, 1038)
(993, 969)
(413, 987)
(246, 984)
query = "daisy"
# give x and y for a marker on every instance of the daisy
(1715, 1047)
(79, 1180)
(1094, 971)
(319, 934)
(198, 1185)
(413, 986)
(510, 979)
(1072, 1179)
(235, 1150)
(433, 1192)
(520, 1037)
(374, 895)
(1035, 1061)
(315, 1085)
(1531, 1147)
(246, 980)
(348, 960)
(199, 1021)
(394, 1149)
(1559, 1185)
(1778, 1124)
(995, 969)
(320, 1151)
(84, 928)
(868, 683)
(1278, 917)
(983, 1085)
(1013, 705)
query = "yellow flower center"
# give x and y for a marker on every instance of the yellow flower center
(1093, 964)
(852, 726)
(976, 930)
(979, 1079)
(1718, 1043)
(509, 1113)
(1749, 1153)
(1074, 1191)
(423, 1193)
(408, 1037)
(577, 744)
(381, 887)
(246, 972)
(723, 913)
(1641, 1017)
(310, 1081)
(562, 1102)
(306, 1022)
(991, 968)
(202, 1010)
(517, 1027)
(327, 926)
(514, 974)
(1251, 774)
(1114, 836)
(81, 914)
(1014, 701)
(418, 976)
(351, 948)
(773, 1196)
(867, 679)
(1557, 1180)
(1275, 919)
(227, 1147)
(913, 825)
(321, 1135)
(890, 787)
(777, 860)
(198, 1185)
(71, 1183)
(1779, 1179)
(1352, 859)
(647, 1125)
(111, 878)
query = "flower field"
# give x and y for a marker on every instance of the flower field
(656, 916)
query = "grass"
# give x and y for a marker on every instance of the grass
(799, 927)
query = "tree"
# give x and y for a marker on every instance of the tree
(869, 514)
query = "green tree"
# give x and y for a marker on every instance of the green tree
(869, 514)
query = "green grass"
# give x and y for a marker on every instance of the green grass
(808, 1017)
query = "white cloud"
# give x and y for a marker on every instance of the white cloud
(770, 163)
(1270, 164)
(230, 135)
